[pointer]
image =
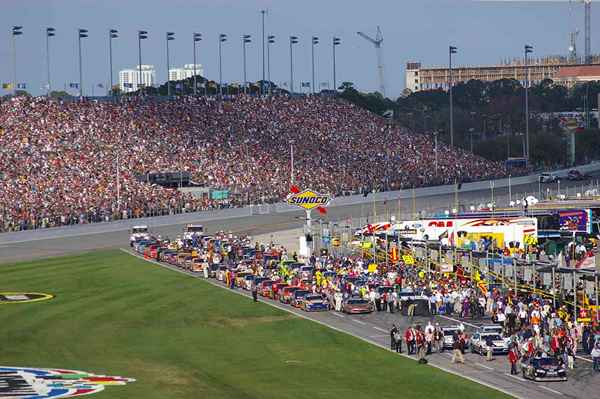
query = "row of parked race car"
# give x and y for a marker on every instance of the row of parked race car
(299, 295)
(302, 297)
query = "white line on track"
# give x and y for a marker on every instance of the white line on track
(377, 336)
(484, 366)
(583, 358)
(380, 329)
(359, 321)
(286, 309)
(551, 390)
(516, 377)
(458, 321)
(338, 315)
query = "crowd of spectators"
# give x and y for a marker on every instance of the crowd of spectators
(59, 160)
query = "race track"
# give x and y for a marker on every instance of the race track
(60, 244)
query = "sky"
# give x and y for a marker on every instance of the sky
(414, 30)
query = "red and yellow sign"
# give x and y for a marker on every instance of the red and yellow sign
(308, 199)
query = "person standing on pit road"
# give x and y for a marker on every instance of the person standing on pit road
(489, 344)
(457, 355)
(513, 358)
(393, 332)
(596, 357)
(421, 345)
(254, 292)
(409, 337)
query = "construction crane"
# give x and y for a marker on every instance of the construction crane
(587, 21)
(377, 43)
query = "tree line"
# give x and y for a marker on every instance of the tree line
(489, 117)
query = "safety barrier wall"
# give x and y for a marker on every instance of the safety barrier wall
(266, 209)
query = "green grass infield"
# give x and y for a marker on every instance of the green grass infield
(181, 337)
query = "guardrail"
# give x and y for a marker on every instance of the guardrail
(265, 209)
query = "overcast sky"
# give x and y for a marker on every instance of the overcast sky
(414, 30)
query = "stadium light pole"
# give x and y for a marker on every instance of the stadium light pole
(197, 38)
(142, 35)
(50, 32)
(293, 40)
(16, 31)
(528, 50)
(315, 41)
(112, 34)
(451, 50)
(222, 39)
(336, 42)
(270, 40)
(245, 40)
(263, 12)
(82, 34)
(169, 36)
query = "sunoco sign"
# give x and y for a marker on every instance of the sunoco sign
(308, 199)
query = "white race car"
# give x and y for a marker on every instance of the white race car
(481, 342)
(139, 233)
(191, 229)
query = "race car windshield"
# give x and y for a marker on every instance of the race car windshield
(357, 302)
(195, 229)
(313, 298)
(449, 332)
(139, 230)
(492, 337)
(546, 361)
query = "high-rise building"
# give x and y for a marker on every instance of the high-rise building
(129, 79)
(186, 72)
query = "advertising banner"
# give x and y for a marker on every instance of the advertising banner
(575, 220)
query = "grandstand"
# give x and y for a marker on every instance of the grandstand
(79, 162)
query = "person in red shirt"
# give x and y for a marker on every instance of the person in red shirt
(513, 358)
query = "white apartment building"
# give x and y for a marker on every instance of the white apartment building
(186, 72)
(129, 79)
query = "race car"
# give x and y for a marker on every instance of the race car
(138, 233)
(544, 369)
(449, 336)
(480, 341)
(276, 289)
(575, 175)
(314, 303)
(287, 293)
(191, 229)
(357, 305)
(298, 298)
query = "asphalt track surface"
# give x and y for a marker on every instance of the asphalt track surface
(374, 327)
(262, 224)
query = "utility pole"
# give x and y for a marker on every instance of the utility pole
(451, 50)
(142, 34)
(169, 36)
(263, 12)
(245, 39)
(196, 37)
(528, 50)
(293, 40)
(336, 42)
(50, 32)
(16, 31)
(222, 38)
(112, 34)
(315, 41)
(82, 34)
(270, 40)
